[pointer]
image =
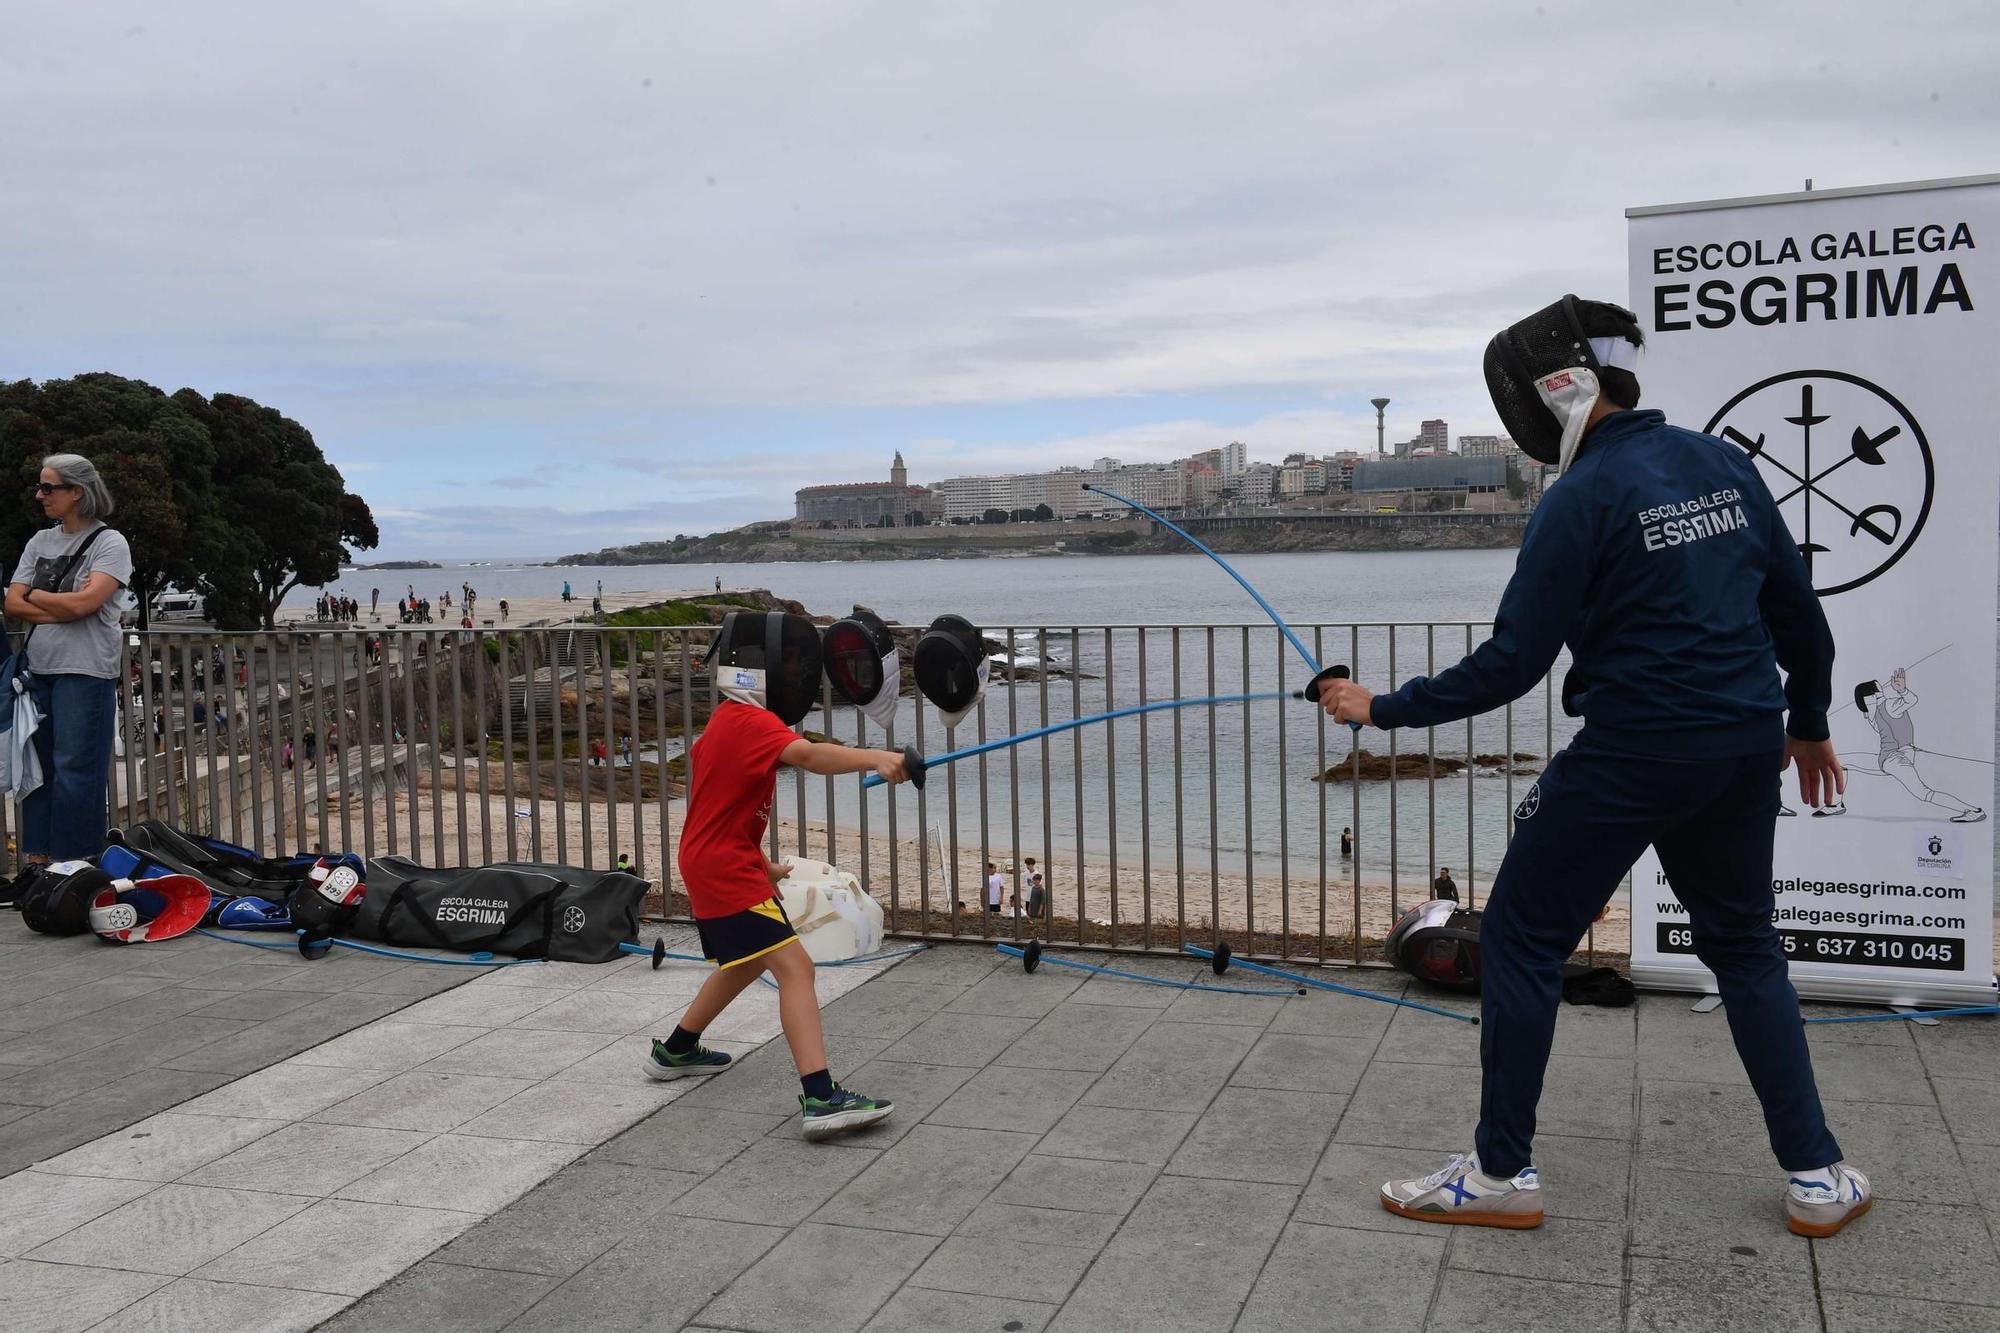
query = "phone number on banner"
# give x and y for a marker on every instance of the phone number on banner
(1833, 946)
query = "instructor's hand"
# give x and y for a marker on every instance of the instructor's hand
(1821, 778)
(1346, 701)
(889, 766)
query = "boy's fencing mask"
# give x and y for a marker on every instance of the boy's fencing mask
(1544, 374)
(768, 659)
(864, 666)
(950, 666)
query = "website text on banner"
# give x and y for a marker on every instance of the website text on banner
(1845, 340)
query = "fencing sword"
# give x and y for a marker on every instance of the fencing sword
(1220, 958)
(1919, 662)
(1311, 691)
(918, 763)
(657, 951)
(1032, 958)
(317, 946)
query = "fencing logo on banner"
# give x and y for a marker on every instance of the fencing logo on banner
(1806, 428)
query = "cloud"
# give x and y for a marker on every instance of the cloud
(702, 254)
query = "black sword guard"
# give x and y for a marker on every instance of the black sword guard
(1338, 671)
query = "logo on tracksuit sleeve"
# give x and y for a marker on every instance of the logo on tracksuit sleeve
(1529, 803)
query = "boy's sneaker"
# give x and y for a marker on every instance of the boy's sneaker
(1462, 1193)
(12, 889)
(843, 1110)
(664, 1064)
(1819, 1208)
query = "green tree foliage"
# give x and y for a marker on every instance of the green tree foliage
(287, 511)
(158, 463)
(226, 498)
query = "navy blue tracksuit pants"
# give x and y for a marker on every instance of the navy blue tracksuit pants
(1576, 833)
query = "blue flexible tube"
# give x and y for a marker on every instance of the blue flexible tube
(475, 960)
(1921, 1013)
(1199, 952)
(1132, 710)
(1013, 952)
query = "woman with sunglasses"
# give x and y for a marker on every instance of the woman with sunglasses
(71, 608)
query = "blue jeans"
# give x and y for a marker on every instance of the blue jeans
(1575, 835)
(65, 817)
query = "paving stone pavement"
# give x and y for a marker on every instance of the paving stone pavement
(1068, 1154)
(263, 1171)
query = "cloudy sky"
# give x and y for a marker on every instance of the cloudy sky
(544, 277)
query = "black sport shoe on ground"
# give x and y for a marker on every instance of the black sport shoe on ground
(663, 1064)
(12, 889)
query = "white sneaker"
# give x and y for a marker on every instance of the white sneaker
(1464, 1194)
(1819, 1210)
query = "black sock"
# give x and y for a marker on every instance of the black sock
(818, 1085)
(682, 1042)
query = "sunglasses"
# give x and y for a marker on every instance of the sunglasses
(51, 487)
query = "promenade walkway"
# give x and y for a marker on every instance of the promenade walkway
(1069, 1153)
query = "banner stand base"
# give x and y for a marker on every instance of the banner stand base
(1888, 993)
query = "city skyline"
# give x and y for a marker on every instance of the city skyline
(567, 277)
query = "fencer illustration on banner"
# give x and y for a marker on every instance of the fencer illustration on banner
(1843, 340)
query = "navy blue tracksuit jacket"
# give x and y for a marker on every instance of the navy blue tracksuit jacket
(1661, 560)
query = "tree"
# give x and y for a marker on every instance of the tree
(288, 513)
(994, 516)
(1517, 487)
(1044, 514)
(157, 461)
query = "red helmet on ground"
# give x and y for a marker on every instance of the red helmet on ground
(124, 912)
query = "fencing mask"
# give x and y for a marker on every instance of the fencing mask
(124, 912)
(950, 666)
(768, 659)
(1438, 942)
(1545, 374)
(864, 666)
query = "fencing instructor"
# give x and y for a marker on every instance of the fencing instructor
(1661, 560)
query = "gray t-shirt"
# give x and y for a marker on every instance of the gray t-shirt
(86, 647)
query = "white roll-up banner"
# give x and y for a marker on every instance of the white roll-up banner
(1849, 341)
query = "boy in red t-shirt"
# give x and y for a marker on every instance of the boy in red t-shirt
(732, 886)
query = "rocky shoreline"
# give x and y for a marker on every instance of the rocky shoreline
(768, 543)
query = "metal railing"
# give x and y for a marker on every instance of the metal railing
(567, 743)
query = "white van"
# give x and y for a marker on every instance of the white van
(177, 605)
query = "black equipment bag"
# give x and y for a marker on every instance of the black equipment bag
(151, 846)
(57, 900)
(523, 908)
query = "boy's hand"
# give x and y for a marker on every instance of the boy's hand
(776, 872)
(1346, 701)
(890, 767)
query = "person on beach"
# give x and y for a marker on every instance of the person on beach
(566, 594)
(732, 886)
(1676, 649)
(996, 885)
(1346, 843)
(1444, 886)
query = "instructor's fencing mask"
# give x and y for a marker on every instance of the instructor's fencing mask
(950, 666)
(768, 659)
(1545, 374)
(1438, 942)
(863, 664)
